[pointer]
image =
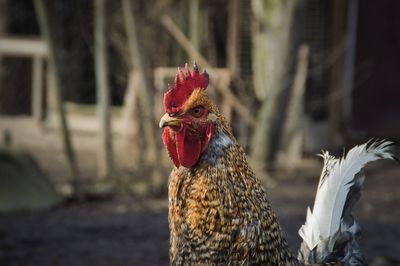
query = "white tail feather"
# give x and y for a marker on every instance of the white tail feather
(335, 182)
(310, 230)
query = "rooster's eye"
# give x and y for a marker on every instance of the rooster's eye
(197, 112)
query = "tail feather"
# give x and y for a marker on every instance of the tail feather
(330, 231)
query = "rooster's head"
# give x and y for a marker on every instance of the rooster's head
(191, 119)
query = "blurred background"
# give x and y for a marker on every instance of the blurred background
(83, 172)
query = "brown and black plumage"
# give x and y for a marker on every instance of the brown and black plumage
(219, 213)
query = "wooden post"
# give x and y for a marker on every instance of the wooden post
(194, 27)
(130, 105)
(144, 92)
(104, 162)
(232, 49)
(41, 15)
(131, 119)
(37, 88)
(5, 15)
(267, 135)
(293, 132)
(233, 38)
(51, 103)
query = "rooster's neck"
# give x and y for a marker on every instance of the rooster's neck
(218, 148)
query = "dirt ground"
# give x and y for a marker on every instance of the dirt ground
(134, 231)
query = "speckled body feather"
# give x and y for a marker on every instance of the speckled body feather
(219, 213)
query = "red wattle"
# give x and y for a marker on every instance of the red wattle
(170, 144)
(188, 147)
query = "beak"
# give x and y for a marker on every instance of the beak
(166, 121)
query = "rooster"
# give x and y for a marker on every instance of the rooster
(219, 213)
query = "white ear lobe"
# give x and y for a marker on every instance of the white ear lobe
(212, 117)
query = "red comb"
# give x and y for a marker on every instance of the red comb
(183, 87)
